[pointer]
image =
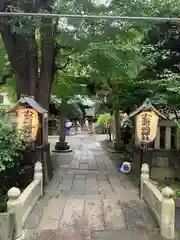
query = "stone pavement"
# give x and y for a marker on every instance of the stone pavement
(88, 199)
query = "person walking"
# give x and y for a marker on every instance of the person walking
(86, 124)
(68, 126)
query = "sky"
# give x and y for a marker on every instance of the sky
(99, 2)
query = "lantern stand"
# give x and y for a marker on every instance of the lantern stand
(62, 145)
(38, 139)
(143, 147)
(147, 118)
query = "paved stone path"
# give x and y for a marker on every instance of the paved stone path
(88, 199)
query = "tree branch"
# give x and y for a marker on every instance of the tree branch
(60, 46)
(67, 55)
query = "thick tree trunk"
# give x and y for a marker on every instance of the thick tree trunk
(47, 64)
(23, 56)
(22, 52)
(2, 5)
(117, 142)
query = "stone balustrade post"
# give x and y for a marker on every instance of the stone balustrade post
(144, 176)
(14, 207)
(168, 137)
(167, 218)
(38, 175)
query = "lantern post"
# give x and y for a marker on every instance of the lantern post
(146, 125)
(30, 118)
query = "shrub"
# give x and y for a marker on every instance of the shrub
(103, 118)
(12, 145)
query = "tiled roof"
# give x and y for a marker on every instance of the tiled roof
(31, 102)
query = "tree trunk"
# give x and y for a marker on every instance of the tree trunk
(23, 56)
(117, 126)
(117, 143)
(47, 71)
(23, 51)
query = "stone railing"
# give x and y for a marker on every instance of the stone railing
(21, 204)
(161, 203)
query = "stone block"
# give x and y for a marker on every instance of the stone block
(6, 226)
(80, 177)
(113, 215)
(162, 172)
(133, 217)
(124, 234)
(79, 186)
(162, 161)
(34, 217)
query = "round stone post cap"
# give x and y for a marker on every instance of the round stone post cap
(145, 168)
(167, 192)
(14, 193)
(38, 167)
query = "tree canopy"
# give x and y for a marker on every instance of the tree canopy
(130, 60)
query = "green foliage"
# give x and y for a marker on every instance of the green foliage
(3, 58)
(11, 145)
(103, 118)
(5, 70)
(116, 55)
(178, 194)
(178, 124)
(70, 108)
(66, 85)
(130, 60)
(10, 88)
(114, 65)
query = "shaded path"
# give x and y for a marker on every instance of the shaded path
(88, 199)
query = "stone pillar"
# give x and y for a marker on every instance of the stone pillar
(14, 207)
(157, 139)
(62, 145)
(38, 175)
(167, 218)
(136, 139)
(168, 138)
(144, 176)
